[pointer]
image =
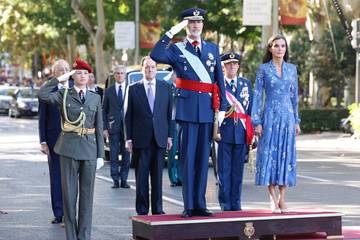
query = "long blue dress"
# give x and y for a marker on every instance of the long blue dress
(276, 153)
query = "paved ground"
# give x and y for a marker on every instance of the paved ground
(328, 178)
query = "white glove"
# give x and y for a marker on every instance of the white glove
(65, 76)
(221, 117)
(99, 163)
(177, 28)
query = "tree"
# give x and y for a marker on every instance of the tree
(97, 34)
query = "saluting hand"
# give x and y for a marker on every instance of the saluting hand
(65, 76)
(178, 27)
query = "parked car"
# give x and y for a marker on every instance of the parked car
(5, 98)
(24, 102)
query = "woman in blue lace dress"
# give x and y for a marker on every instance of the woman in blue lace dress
(276, 121)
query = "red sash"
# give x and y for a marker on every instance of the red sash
(201, 87)
(249, 126)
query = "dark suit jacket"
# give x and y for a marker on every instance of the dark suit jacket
(113, 113)
(140, 123)
(99, 91)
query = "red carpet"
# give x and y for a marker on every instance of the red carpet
(349, 233)
(224, 215)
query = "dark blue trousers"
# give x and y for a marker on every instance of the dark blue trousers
(149, 161)
(117, 146)
(55, 183)
(231, 158)
(195, 143)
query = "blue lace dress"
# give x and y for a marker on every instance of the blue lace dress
(276, 152)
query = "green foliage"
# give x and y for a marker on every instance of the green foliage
(251, 61)
(354, 110)
(321, 119)
(299, 48)
(329, 69)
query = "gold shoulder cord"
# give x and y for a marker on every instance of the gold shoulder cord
(72, 125)
(230, 111)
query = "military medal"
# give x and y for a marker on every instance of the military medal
(212, 69)
(211, 56)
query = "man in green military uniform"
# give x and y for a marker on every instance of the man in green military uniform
(80, 146)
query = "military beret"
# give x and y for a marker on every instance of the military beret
(81, 64)
(193, 14)
(230, 57)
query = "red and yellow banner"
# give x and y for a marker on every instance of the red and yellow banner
(293, 12)
(149, 34)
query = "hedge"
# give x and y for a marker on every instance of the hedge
(313, 120)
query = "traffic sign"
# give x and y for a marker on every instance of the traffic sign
(124, 35)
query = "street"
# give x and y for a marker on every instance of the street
(328, 179)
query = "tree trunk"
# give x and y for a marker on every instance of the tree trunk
(99, 43)
(96, 37)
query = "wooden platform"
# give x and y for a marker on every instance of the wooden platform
(254, 224)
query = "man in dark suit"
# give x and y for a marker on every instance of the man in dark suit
(113, 115)
(200, 96)
(92, 86)
(49, 130)
(148, 134)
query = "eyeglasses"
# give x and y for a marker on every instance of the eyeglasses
(79, 72)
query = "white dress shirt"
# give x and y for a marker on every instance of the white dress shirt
(78, 90)
(228, 80)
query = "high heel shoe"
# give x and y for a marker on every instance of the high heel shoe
(274, 207)
(283, 209)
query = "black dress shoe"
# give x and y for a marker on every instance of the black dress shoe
(202, 212)
(187, 213)
(124, 185)
(179, 183)
(57, 220)
(172, 184)
(159, 213)
(116, 184)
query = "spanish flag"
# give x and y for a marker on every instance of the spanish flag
(293, 12)
(149, 34)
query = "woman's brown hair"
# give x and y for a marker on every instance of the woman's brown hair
(268, 55)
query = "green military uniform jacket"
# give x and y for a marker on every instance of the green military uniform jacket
(71, 144)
